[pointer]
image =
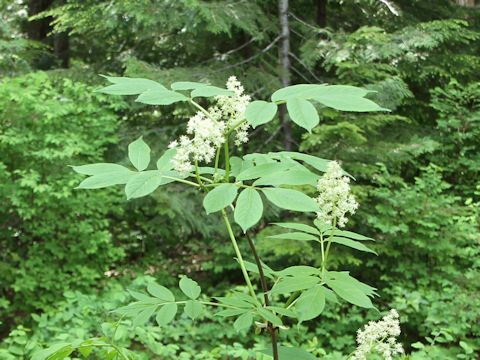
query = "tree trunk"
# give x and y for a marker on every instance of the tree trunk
(38, 29)
(321, 13)
(61, 47)
(285, 69)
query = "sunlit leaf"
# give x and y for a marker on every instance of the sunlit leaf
(129, 86)
(193, 309)
(143, 184)
(303, 113)
(299, 227)
(139, 154)
(260, 112)
(160, 97)
(290, 284)
(298, 236)
(290, 199)
(220, 197)
(243, 322)
(248, 209)
(160, 292)
(311, 303)
(190, 287)
(166, 314)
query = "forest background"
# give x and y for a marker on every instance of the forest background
(67, 255)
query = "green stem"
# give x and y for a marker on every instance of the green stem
(217, 159)
(201, 108)
(329, 243)
(227, 161)
(219, 305)
(239, 256)
(197, 175)
(322, 247)
(206, 179)
(181, 180)
(232, 129)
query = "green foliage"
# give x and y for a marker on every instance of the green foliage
(416, 171)
(47, 124)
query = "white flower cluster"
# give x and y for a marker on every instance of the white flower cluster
(379, 337)
(231, 109)
(335, 200)
(208, 130)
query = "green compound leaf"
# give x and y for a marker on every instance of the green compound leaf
(165, 161)
(209, 91)
(236, 300)
(339, 97)
(298, 236)
(100, 169)
(160, 292)
(237, 165)
(303, 113)
(166, 314)
(56, 351)
(352, 244)
(111, 176)
(352, 235)
(298, 270)
(143, 316)
(139, 154)
(330, 295)
(160, 97)
(317, 163)
(190, 287)
(255, 172)
(342, 91)
(289, 177)
(143, 184)
(220, 197)
(140, 296)
(249, 209)
(350, 289)
(290, 199)
(187, 85)
(300, 227)
(290, 284)
(243, 322)
(260, 112)
(311, 303)
(193, 309)
(253, 268)
(290, 353)
(301, 91)
(269, 316)
(346, 98)
(282, 311)
(129, 86)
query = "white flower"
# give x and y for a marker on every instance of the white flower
(208, 136)
(334, 198)
(231, 109)
(208, 130)
(379, 337)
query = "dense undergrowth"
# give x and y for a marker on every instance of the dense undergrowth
(67, 256)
